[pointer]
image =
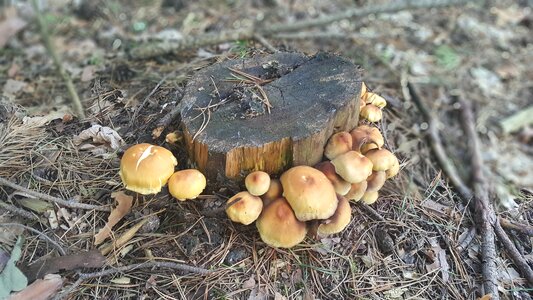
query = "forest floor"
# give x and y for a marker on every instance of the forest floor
(419, 242)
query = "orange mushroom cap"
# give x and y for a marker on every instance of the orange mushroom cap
(340, 185)
(338, 143)
(257, 183)
(186, 184)
(278, 225)
(244, 208)
(340, 219)
(352, 166)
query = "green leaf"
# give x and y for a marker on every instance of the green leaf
(11, 278)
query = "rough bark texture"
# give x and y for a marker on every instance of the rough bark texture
(311, 98)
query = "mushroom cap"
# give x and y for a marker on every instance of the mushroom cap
(338, 143)
(365, 136)
(382, 159)
(244, 208)
(186, 184)
(309, 192)
(145, 168)
(371, 113)
(278, 225)
(340, 185)
(340, 219)
(352, 166)
(370, 197)
(275, 190)
(394, 170)
(375, 99)
(376, 181)
(257, 183)
(357, 191)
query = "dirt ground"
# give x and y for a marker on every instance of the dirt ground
(422, 244)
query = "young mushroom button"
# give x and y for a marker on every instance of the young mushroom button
(257, 183)
(279, 227)
(244, 208)
(186, 184)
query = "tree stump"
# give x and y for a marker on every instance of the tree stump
(229, 129)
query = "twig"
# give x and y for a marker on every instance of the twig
(372, 212)
(40, 234)
(525, 229)
(485, 215)
(518, 259)
(140, 107)
(20, 212)
(151, 264)
(67, 203)
(156, 49)
(45, 35)
(261, 39)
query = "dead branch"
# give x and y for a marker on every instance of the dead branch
(508, 224)
(161, 48)
(369, 210)
(59, 201)
(19, 211)
(519, 261)
(45, 35)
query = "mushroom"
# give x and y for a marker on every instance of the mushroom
(257, 183)
(275, 190)
(370, 197)
(244, 208)
(376, 181)
(393, 171)
(382, 159)
(145, 168)
(278, 225)
(352, 166)
(309, 192)
(357, 191)
(365, 138)
(338, 221)
(340, 185)
(186, 184)
(338, 143)
(375, 99)
(371, 113)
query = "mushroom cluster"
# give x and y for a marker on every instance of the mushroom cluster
(371, 105)
(146, 169)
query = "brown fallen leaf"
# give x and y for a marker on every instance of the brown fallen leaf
(41, 289)
(439, 260)
(83, 259)
(100, 135)
(9, 28)
(124, 205)
(123, 239)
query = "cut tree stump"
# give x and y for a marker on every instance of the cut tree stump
(230, 131)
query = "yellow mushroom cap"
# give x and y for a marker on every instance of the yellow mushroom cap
(382, 159)
(370, 197)
(394, 170)
(339, 220)
(357, 191)
(375, 99)
(244, 208)
(338, 143)
(278, 225)
(371, 113)
(257, 183)
(275, 190)
(376, 181)
(352, 166)
(186, 184)
(366, 137)
(145, 168)
(340, 185)
(309, 192)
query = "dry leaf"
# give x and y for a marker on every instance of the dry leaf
(248, 284)
(123, 239)
(9, 28)
(124, 205)
(41, 289)
(439, 260)
(12, 86)
(100, 135)
(88, 73)
(486, 297)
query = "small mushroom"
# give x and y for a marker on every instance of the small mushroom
(370, 197)
(146, 168)
(394, 170)
(309, 192)
(186, 184)
(278, 225)
(365, 138)
(376, 181)
(244, 208)
(352, 166)
(371, 113)
(357, 191)
(275, 190)
(375, 99)
(338, 143)
(382, 159)
(339, 220)
(257, 183)
(340, 185)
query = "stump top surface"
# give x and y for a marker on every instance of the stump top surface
(305, 93)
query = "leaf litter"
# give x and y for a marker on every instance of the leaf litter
(124, 203)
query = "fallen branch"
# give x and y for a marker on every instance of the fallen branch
(370, 211)
(519, 261)
(20, 212)
(67, 203)
(508, 224)
(152, 264)
(161, 48)
(45, 35)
